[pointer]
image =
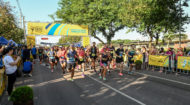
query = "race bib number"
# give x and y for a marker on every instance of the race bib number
(72, 59)
(81, 59)
(93, 55)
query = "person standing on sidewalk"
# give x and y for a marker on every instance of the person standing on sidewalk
(34, 51)
(10, 68)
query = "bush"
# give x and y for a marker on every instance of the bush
(138, 62)
(22, 94)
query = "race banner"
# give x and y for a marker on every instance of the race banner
(35, 28)
(183, 63)
(156, 60)
(30, 41)
(85, 41)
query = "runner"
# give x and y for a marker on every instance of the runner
(93, 55)
(81, 54)
(104, 64)
(51, 54)
(119, 58)
(131, 54)
(71, 60)
(111, 57)
(46, 50)
(40, 52)
(62, 58)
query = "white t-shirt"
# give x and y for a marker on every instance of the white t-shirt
(9, 69)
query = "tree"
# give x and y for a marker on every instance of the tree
(154, 17)
(100, 15)
(69, 39)
(8, 24)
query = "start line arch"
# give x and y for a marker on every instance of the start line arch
(39, 33)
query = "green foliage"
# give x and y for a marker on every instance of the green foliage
(8, 24)
(22, 94)
(100, 15)
(122, 41)
(138, 62)
(69, 39)
(155, 17)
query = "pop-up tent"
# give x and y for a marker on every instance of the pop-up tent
(11, 42)
(3, 41)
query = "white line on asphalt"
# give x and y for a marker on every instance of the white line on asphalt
(163, 78)
(125, 95)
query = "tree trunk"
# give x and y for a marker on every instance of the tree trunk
(150, 41)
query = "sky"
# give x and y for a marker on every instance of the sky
(38, 11)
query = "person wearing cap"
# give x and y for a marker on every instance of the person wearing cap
(71, 60)
(10, 68)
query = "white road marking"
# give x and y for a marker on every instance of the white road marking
(164, 79)
(125, 95)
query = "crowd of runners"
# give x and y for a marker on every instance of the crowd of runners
(101, 60)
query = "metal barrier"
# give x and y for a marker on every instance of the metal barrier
(164, 64)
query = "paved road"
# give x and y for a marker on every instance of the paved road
(137, 89)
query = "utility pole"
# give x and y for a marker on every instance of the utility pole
(22, 22)
(180, 26)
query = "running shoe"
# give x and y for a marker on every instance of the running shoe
(130, 72)
(100, 76)
(109, 71)
(83, 75)
(121, 74)
(71, 80)
(104, 79)
(30, 75)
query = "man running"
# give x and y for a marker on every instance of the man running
(93, 55)
(131, 54)
(81, 54)
(40, 52)
(111, 56)
(104, 64)
(51, 54)
(119, 58)
(71, 60)
(62, 58)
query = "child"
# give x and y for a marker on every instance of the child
(28, 68)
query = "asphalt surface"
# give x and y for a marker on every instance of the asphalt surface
(140, 88)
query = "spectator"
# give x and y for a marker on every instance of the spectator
(26, 54)
(179, 53)
(153, 50)
(144, 54)
(10, 67)
(161, 52)
(27, 68)
(34, 52)
(188, 54)
(170, 53)
(1, 57)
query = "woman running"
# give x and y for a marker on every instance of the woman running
(62, 58)
(51, 54)
(81, 54)
(104, 63)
